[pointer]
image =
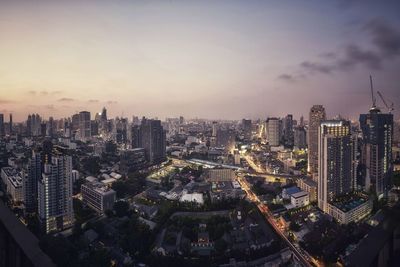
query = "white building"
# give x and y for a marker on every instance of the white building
(98, 196)
(350, 212)
(14, 183)
(55, 194)
(300, 199)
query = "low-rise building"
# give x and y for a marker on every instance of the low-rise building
(13, 181)
(221, 175)
(351, 209)
(98, 196)
(309, 186)
(300, 199)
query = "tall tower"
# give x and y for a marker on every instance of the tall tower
(55, 194)
(288, 130)
(377, 129)
(335, 169)
(11, 125)
(84, 125)
(273, 131)
(317, 115)
(150, 135)
(33, 175)
(1, 125)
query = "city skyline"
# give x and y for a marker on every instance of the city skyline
(196, 59)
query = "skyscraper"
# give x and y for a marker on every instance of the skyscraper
(377, 129)
(11, 124)
(2, 125)
(150, 135)
(55, 194)
(84, 125)
(246, 126)
(317, 114)
(300, 137)
(335, 176)
(288, 130)
(33, 175)
(273, 131)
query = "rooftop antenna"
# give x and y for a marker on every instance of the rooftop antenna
(372, 93)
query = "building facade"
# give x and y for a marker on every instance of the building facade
(377, 130)
(55, 194)
(317, 115)
(335, 161)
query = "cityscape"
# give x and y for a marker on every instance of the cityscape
(187, 133)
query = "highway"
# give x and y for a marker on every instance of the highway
(302, 256)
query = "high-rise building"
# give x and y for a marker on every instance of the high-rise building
(55, 194)
(10, 125)
(132, 160)
(225, 138)
(246, 126)
(104, 114)
(273, 131)
(31, 178)
(317, 115)
(335, 176)
(214, 128)
(34, 125)
(300, 137)
(151, 136)
(2, 132)
(84, 125)
(377, 129)
(288, 130)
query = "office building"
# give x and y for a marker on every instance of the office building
(317, 115)
(55, 194)
(150, 135)
(84, 125)
(2, 132)
(300, 137)
(273, 129)
(132, 160)
(288, 130)
(335, 161)
(246, 127)
(98, 196)
(377, 131)
(10, 125)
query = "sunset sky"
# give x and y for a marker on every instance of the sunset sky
(208, 59)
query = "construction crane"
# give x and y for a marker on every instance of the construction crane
(391, 107)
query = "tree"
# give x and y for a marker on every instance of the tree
(121, 208)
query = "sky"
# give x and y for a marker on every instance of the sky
(222, 59)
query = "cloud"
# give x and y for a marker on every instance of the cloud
(110, 102)
(355, 55)
(93, 101)
(6, 101)
(32, 92)
(384, 37)
(66, 99)
(57, 92)
(287, 77)
(385, 42)
(317, 67)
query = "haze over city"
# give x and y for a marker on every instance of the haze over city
(206, 59)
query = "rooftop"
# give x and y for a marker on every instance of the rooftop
(349, 202)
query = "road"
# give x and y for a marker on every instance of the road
(301, 255)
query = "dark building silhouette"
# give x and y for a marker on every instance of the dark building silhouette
(377, 129)
(151, 136)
